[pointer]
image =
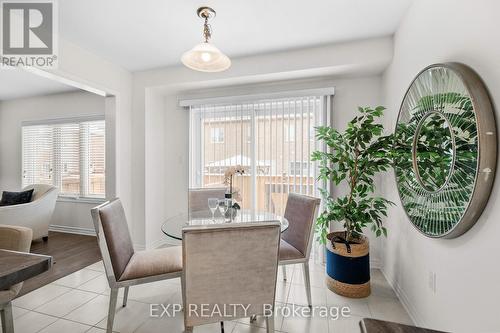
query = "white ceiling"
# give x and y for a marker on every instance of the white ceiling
(18, 83)
(146, 34)
(154, 33)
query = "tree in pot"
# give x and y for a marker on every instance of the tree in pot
(353, 157)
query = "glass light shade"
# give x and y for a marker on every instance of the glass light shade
(205, 57)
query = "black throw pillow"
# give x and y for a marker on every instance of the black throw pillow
(16, 198)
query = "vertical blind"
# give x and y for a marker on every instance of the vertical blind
(273, 139)
(69, 155)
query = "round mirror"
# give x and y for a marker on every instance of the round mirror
(433, 151)
(445, 150)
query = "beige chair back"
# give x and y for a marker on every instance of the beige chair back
(113, 237)
(301, 212)
(229, 264)
(198, 200)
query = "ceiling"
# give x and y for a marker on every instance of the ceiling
(146, 34)
(18, 83)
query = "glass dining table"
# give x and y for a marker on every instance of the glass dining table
(174, 225)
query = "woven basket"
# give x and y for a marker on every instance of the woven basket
(357, 256)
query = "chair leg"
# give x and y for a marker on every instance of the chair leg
(183, 292)
(270, 323)
(7, 319)
(112, 309)
(283, 268)
(125, 296)
(307, 282)
(221, 327)
(253, 318)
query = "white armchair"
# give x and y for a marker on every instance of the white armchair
(36, 214)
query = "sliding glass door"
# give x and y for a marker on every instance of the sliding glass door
(272, 139)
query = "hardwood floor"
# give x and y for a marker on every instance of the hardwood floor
(70, 253)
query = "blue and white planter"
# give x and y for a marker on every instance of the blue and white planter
(348, 267)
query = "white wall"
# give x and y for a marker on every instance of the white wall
(157, 165)
(467, 269)
(13, 112)
(80, 67)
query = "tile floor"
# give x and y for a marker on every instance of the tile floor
(79, 302)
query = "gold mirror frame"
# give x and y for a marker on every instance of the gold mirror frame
(486, 158)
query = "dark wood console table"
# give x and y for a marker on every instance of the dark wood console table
(16, 267)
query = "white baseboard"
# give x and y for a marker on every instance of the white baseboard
(405, 301)
(72, 230)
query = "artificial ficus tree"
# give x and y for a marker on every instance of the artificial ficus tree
(354, 156)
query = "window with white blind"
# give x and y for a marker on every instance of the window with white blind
(273, 139)
(69, 154)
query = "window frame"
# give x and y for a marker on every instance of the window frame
(83, 176)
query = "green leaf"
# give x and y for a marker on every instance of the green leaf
(354, 158)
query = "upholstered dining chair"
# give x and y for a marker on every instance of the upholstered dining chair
(125, 267)
(13, 238)
(296, 242)
(198, 200)
(226, 265)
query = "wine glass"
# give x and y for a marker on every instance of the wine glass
(223, 207)
(213, 203)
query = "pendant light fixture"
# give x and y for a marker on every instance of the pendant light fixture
(205, 57)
